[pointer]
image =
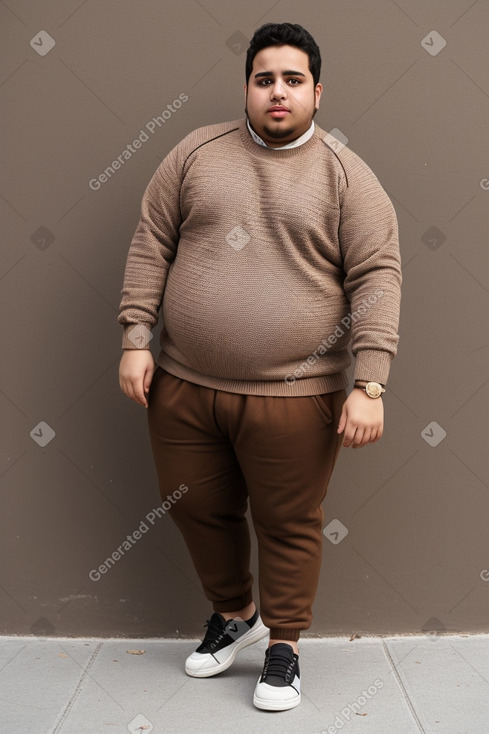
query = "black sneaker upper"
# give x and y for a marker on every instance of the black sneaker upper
(281, 665)
(221, 633)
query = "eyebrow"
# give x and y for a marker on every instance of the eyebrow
(284, 73)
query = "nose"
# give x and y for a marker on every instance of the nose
(278, 90)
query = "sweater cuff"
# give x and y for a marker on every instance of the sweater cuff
(136, 336)
(372, 365)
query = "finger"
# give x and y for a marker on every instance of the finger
(148, 378)
(358, 438)
(125, 387)
(342, 421)
(375, 435)
(139, 394)
(367, 437)
(134, 391)
(349, 436)
(371, 435)
(130, 391)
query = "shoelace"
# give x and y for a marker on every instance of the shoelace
(279, 665)
(214, 633)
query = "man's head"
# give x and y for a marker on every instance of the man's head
(282, 89)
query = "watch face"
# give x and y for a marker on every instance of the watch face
(373, 389)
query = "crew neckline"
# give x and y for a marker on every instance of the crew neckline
(265, 152)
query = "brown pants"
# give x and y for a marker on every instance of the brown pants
(226, 447)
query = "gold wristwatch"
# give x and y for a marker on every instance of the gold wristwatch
(373, 389)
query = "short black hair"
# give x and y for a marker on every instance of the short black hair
(290, 34)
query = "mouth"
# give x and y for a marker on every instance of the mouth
(278, 111)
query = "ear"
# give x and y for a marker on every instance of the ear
(245, 87)
(317, 94)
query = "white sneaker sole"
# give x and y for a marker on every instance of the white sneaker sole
(276, 705)
(258, 632)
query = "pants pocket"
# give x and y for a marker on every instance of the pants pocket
(322, 404)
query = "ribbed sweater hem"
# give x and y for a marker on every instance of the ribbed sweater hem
(273, 388)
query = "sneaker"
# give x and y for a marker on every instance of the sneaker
(279, 686)
(222, 642)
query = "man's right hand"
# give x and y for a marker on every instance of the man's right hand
(135, 374)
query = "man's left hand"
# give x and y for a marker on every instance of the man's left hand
(362, 419)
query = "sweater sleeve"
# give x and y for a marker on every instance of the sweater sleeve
(152, 250)
(369, 242)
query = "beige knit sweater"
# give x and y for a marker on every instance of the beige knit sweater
(267, 265)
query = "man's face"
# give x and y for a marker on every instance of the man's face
(280, 96)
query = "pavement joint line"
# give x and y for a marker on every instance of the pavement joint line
(403, 690)
(78, 688)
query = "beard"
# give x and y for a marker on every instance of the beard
(278, 133)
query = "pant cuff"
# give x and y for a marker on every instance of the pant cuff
(232, 605)
(282, 633)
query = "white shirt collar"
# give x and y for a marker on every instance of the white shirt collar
(299, 141)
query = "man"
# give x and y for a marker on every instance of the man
(270, 249)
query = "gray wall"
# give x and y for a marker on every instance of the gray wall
(416, 555)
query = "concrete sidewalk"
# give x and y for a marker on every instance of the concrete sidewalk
(372, 685)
